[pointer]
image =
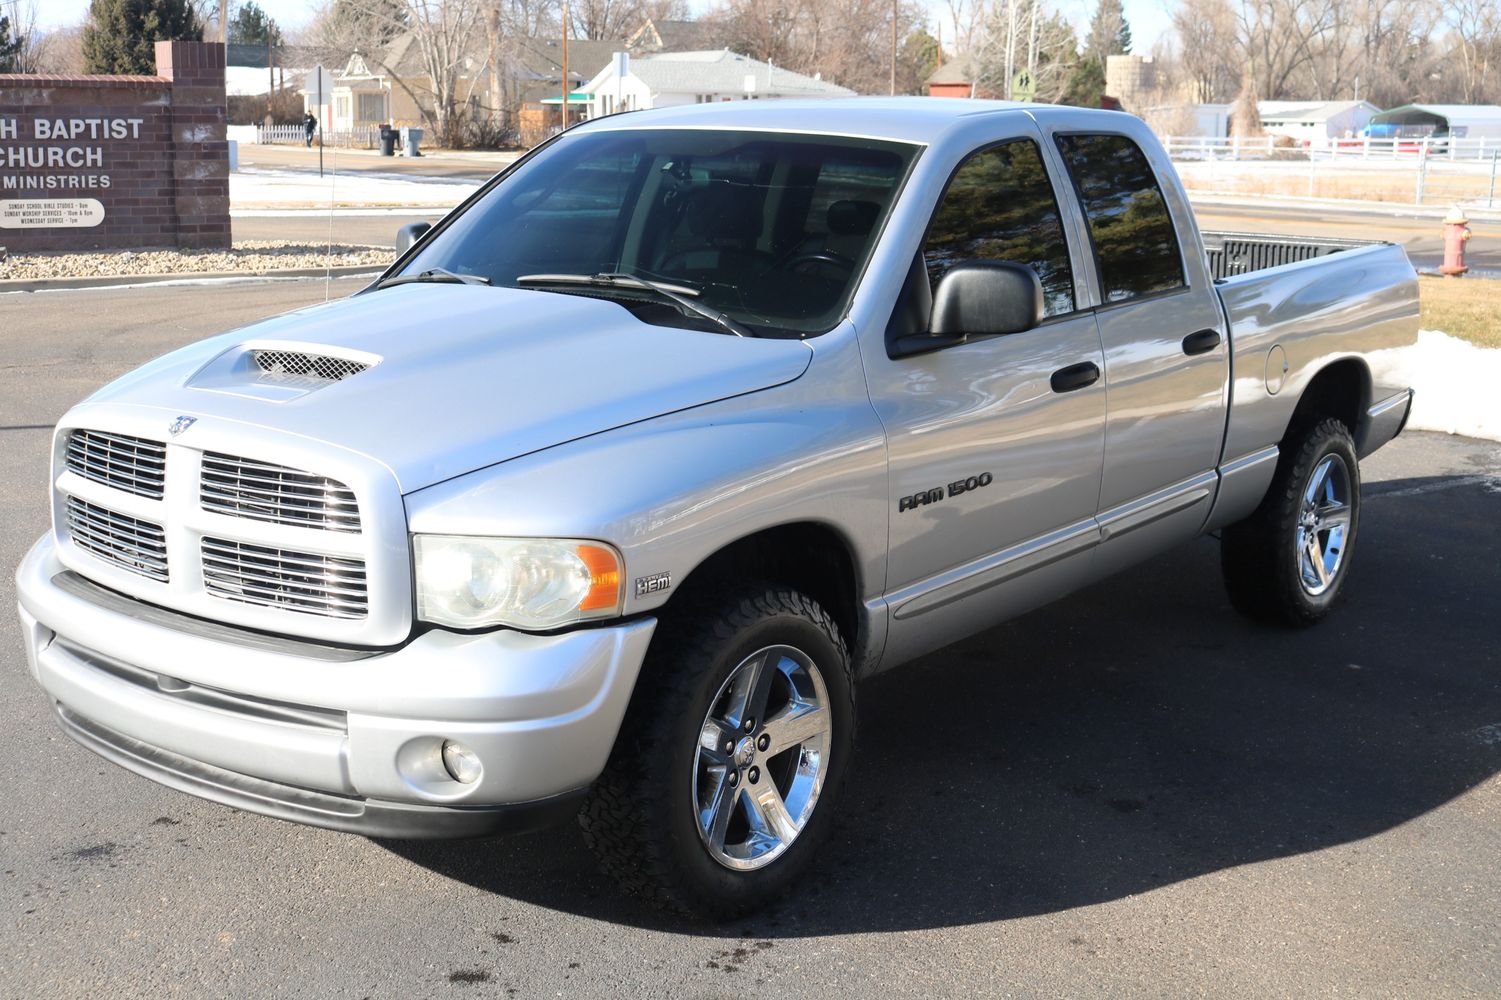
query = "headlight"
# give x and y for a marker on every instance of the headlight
(528, 583)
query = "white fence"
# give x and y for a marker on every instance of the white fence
(1264, 146)
(361, 137)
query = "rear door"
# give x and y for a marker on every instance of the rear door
(994, 463)
(1165, 345)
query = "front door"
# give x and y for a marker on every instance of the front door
(996, 443)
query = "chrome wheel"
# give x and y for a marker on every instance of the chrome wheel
(1323, 525)
(762, 756)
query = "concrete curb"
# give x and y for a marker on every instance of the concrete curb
(184, 278)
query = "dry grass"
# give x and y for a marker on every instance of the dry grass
(1468, 308)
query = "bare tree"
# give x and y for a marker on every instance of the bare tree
(1015, 35)
(845, 41)
(1209, 52)
(1382, 50)
(605, 19)
(447, 36)
(33, 45)
(1475, 31)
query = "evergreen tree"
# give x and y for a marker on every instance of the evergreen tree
(10, 48)
(251, 26)
(120, 35)
(1109, 34)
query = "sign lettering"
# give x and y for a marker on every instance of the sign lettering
(69, 146)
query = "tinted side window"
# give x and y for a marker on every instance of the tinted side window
(1000, 206)
(1133, 233)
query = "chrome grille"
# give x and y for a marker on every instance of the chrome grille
(333, 586)
(128, 542)
(300, 368)
(133, 464)
(261, 491)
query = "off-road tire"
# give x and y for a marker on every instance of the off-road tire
(1258, 556)
(639, 818)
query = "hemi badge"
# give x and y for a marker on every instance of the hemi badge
(652, 584)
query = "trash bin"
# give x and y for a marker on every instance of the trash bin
(410, 137)
(387, 141)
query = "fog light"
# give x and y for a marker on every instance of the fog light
(460, 762)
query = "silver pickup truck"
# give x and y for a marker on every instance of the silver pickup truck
(603, 498)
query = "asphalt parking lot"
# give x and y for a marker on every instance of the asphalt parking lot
(1129, 793)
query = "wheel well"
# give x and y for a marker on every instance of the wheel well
(812, 557)
(1339, 390)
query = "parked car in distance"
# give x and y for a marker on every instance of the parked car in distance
(602, 500)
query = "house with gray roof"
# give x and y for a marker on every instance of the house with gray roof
(1314, 122)
(703, 77)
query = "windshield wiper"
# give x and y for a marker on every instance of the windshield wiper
(678, 294)
(437, 274)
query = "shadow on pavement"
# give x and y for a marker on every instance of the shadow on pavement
(1132, 736)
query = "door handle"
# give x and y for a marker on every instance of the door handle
(1201, 342)
(1075, 376)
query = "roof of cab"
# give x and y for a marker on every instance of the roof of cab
(901, 119)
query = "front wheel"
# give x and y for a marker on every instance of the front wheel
(720, 786)
(1287, 562)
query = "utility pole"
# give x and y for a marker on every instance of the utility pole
(566, 86)
(270, 71)
(224, 21)
(893, 47)
(492, 28)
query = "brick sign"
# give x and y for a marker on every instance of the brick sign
(89, 162)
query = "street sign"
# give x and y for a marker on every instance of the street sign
(320, 82)
(1024, 86)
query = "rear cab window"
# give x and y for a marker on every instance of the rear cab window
(1135, 242)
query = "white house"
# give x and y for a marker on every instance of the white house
(1315, 122)
(358, 98)
(672, 78)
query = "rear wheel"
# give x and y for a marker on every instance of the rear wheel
(1287, 562)
(720, 786)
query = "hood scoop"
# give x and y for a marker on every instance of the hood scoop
(299, 366)
(280, 371)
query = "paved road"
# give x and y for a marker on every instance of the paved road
(1129, 793)
(1422, 238)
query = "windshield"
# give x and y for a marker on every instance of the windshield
(771, 230)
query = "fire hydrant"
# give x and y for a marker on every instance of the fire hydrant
(1456, 235)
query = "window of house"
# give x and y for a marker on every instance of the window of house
(372, 107)
(999, 205)
(341, 109)
(1134, 239)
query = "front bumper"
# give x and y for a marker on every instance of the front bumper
(344, 739)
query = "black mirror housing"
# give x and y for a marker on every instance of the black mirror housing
(977, 298)
(410, 234)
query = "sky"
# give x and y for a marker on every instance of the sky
(1149, 19)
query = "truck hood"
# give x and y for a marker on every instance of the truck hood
(454, 377)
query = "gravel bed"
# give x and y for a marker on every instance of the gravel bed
(254, 256)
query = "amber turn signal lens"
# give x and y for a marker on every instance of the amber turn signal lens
(604, 578)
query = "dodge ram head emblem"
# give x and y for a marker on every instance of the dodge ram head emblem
(181, 424)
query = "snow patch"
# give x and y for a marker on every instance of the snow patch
(1456, 384)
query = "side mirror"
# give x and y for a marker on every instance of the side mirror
(986, 297)
(974, 298)
(410, 234)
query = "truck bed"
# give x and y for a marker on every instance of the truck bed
(1232, 254)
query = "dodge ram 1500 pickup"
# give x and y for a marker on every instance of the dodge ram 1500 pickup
(603, 498)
